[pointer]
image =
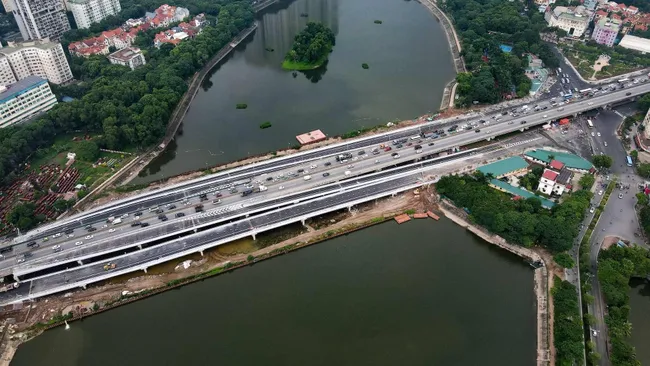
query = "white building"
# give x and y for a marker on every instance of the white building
(38, 19)
(555, 180)
(574, 21)
(635, 43)
(87, 12)
(41, 58)
(24, 99)
(130, 56)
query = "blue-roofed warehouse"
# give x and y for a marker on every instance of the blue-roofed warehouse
(510, 166)
(571, 161)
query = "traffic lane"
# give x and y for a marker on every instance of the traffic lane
(384, 138)
(15, 294)
(220, 233)
(497, 128)
(188, 222)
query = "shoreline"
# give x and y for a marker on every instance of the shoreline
(542, 277)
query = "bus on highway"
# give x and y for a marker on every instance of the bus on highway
(568, 95)
(625, 80)
(628, 160)
(585, 91)
(590, 124)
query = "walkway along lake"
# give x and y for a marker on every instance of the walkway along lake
(409, 61)
(426, 293)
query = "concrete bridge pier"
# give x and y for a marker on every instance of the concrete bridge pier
(81, 263)
(16, 278)
(201, 252)
(349, 208)
(140, 246)
(145, 269)
(84, 286)
(254, 236)
(302, 221)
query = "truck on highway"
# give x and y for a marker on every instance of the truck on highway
(343, 157)
(9, 287)
(117, 221)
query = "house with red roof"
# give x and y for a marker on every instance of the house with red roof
(556, 179)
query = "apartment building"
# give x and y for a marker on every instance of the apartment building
(34, 58)
(38, 19)
(574, 21)
(129, 56)
(87, 12)
(605, 31)
(24, 99)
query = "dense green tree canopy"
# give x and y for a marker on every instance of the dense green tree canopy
(129, 108)
(312, 44)
(483, 25)
(603, 161)
(523, 222)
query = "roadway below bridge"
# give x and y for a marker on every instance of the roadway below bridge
(241, 176)
(287, 183)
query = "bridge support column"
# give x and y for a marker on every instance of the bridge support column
(254, 236)
(81, 263)
(145, 269)
(349, 208)
(303, 222)
(200, 251)
(16, 278)
(84, 286)
(140, 246)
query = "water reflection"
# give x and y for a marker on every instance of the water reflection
(317, 74)
(278, 29)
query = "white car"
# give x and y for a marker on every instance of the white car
(600, 193)
(104, 226)
(313, 166)
(111, 230)
(593, 134)
(70, 235)
(56, 248)
(598, 134)
(620, 195)
(377, 161)
(78, 243)
(605, 143)
(347, 172)
(88, 237)
(591, 103)
(350, 166)
(281, 187)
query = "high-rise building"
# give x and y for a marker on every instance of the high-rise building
(38, 19)
(41, 58)
(87, 12)
(605, 31)
(24, 99)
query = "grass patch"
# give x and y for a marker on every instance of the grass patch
(365, 66)
(292, 65)
(266, 124)
(242, 105)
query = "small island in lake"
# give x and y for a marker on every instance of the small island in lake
(310, 48)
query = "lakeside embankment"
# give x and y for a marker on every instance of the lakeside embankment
(366, 216)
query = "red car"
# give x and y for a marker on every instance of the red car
(388, 148)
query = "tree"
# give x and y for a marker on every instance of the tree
(22, 216)
(644, 170)
(587, 181)
(564, 260)
(602, 161)
(644, 103)
(86, 150)
(62, 205)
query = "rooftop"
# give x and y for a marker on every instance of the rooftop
(521, 192)
(126, 54)
(569, 160)
(505, 166)
(635, 43)
(310, 137)
(17, 88)
(557, 165)
(564, 177)
(43, 44)
(549, 174)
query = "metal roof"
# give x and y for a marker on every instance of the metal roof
(569, 160)
(504, 166)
